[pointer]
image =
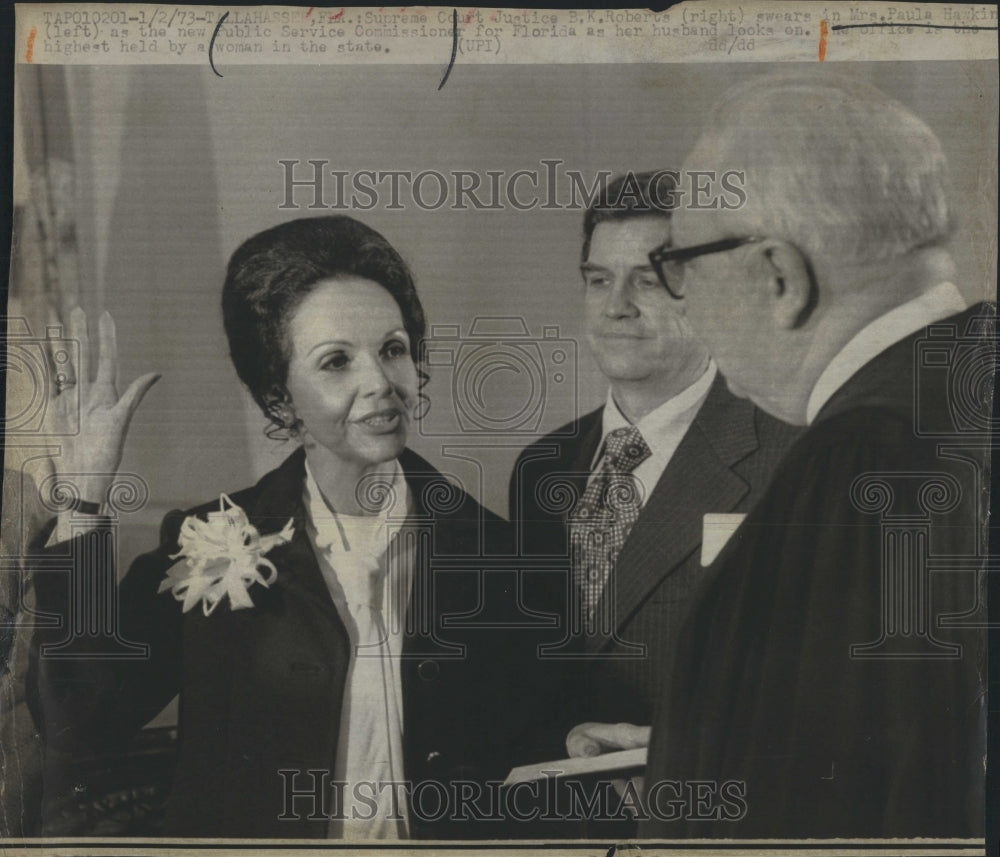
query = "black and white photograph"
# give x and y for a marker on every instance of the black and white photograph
(454, 436)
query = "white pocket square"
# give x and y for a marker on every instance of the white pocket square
(717, 529)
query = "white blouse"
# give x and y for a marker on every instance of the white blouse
(370, 586)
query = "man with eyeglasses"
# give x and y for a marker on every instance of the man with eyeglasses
(670, 446)
(831, 672)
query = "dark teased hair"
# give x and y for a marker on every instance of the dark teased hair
(271, 273)
(650, 194)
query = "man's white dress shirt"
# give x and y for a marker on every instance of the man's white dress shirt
(663, 430)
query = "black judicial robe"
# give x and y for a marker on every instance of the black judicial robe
(830, 680)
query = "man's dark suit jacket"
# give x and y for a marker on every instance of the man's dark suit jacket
(261, 688)
(818, 673)
(722, 464)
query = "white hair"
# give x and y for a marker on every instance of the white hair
(831, 165)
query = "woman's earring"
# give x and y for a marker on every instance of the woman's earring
(422, 406)
(282, 414)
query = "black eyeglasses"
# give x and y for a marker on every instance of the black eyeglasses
(668, 262)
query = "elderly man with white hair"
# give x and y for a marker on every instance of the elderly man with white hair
(830, 679)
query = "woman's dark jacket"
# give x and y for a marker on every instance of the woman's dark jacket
(261, 689)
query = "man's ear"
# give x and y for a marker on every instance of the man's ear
(791, 283)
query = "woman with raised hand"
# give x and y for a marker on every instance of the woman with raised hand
(301, 619)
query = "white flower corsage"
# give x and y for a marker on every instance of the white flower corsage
(223, 556)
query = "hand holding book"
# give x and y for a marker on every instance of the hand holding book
(594, 748)
(593, 739)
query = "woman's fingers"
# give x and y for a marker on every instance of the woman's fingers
(69, 364)
(80, 372)
(90, 419)
(107, 354)
(64, 368)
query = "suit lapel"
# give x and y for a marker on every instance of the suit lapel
(447, 528)
(698, 479)
(581, 455)
(279, 497)
(418, 472)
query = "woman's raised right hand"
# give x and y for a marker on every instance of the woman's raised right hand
(89, 458)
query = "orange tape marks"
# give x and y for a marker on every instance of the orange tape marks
(31, 44)
(823, 31)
